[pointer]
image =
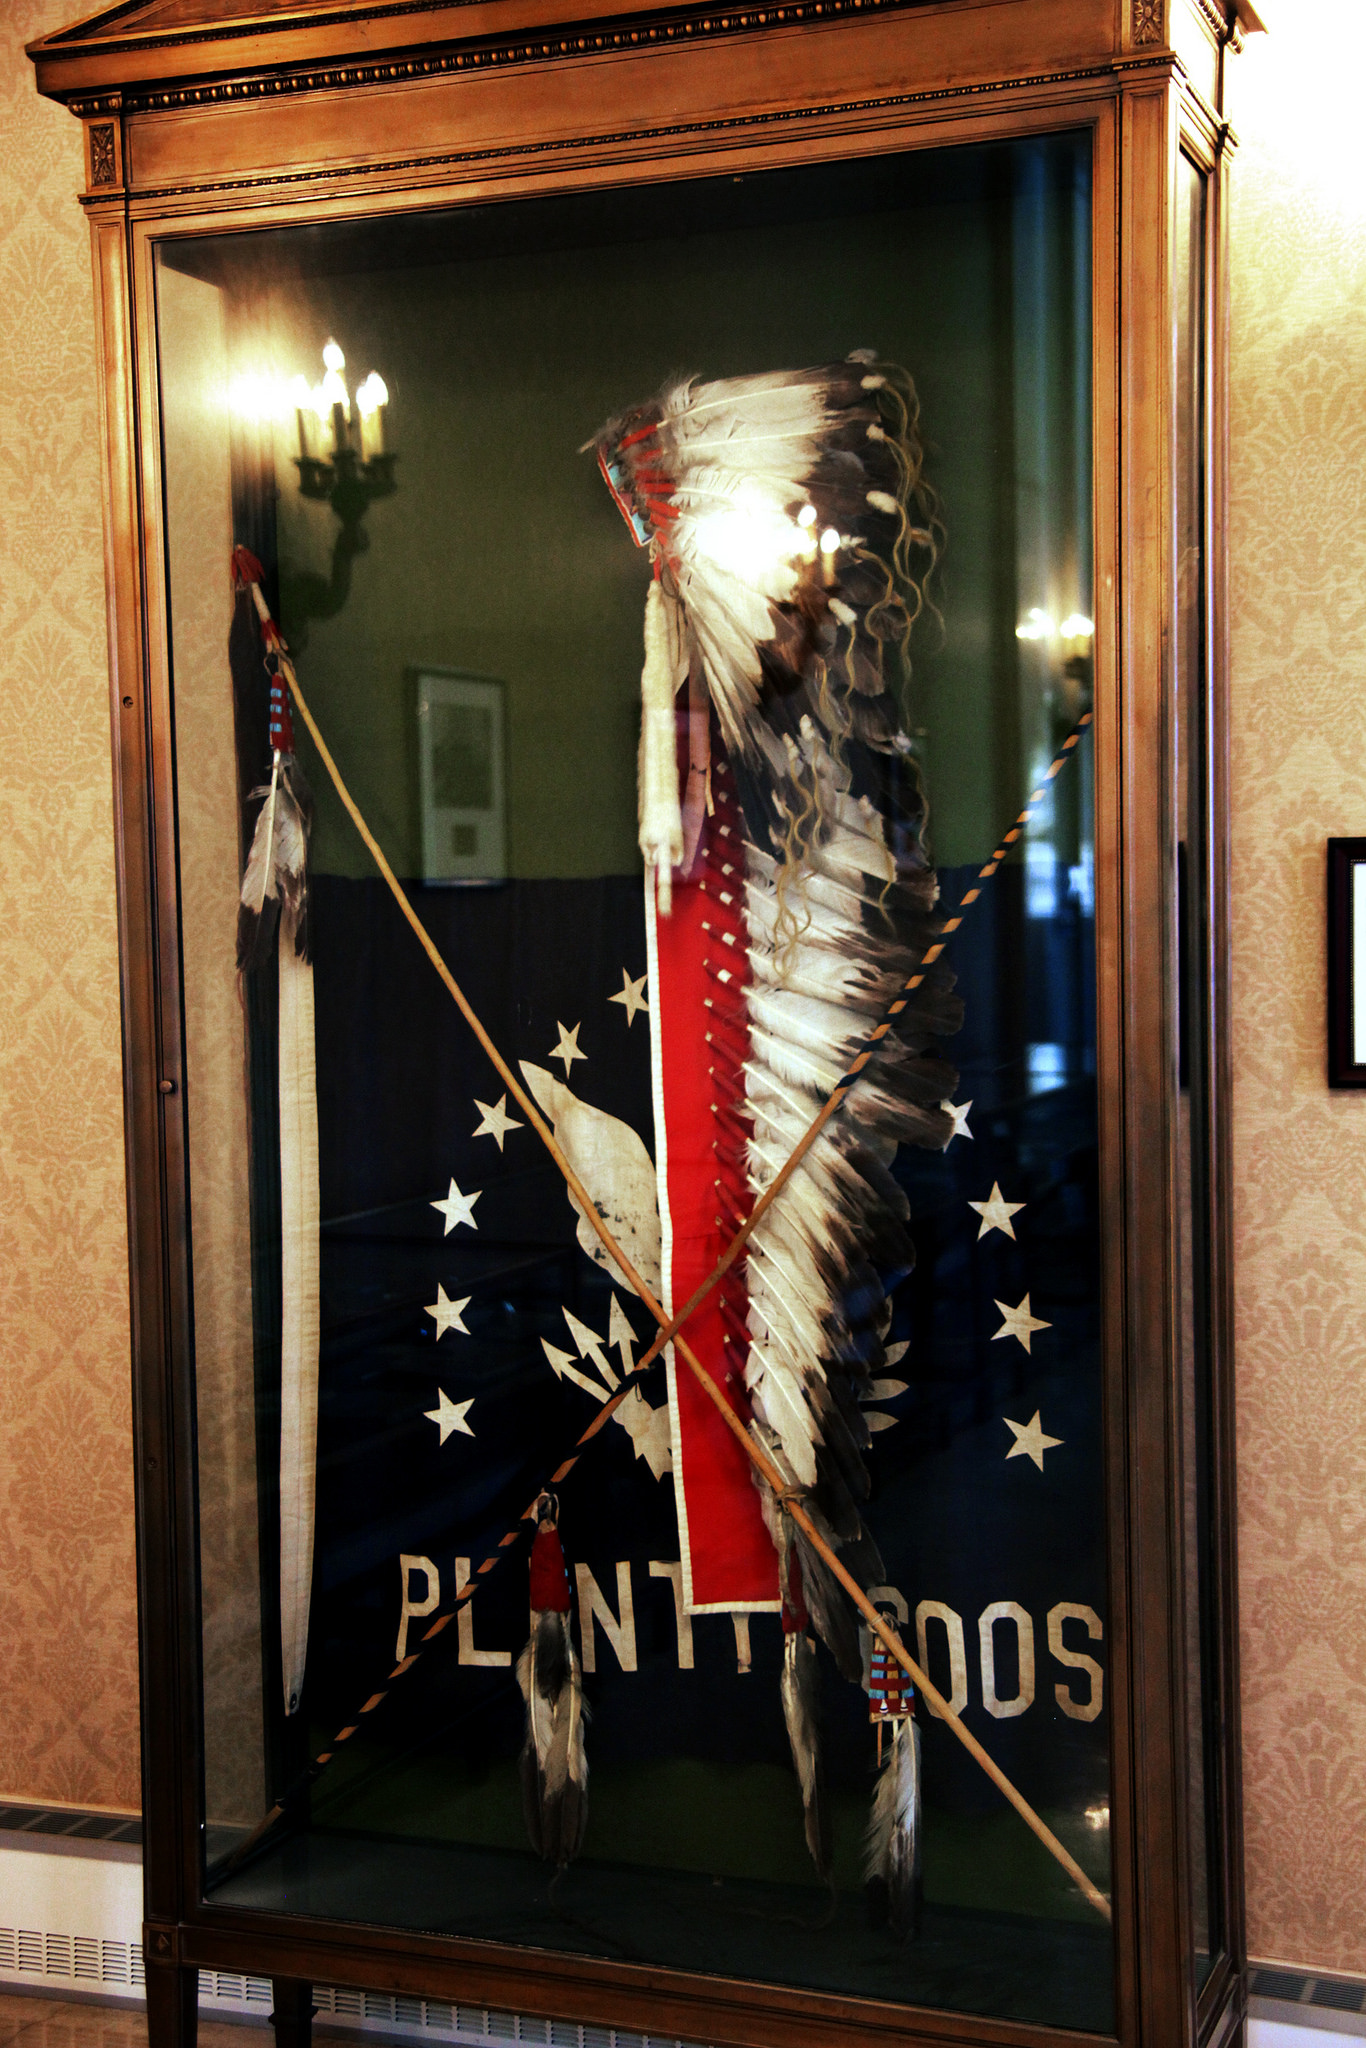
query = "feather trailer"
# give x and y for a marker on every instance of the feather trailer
(554, 1763)
(801, 1691)
(891, 1857)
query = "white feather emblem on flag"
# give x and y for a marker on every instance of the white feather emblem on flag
(614, 1166)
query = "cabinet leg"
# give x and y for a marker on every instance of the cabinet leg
(292, 2018)
(172, 2005)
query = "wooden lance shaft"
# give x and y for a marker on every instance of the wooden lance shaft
(757, 1458)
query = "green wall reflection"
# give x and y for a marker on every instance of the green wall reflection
(507, 334)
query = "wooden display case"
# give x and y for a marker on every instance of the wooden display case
(390, 138)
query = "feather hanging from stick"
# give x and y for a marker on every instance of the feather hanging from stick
(891, 1862)
(801, 1709)
(554, 1759)
(801, 1683)
(276, 874)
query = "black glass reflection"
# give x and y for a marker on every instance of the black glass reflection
(506, 334)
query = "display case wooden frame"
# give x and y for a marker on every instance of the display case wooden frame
(200, 116)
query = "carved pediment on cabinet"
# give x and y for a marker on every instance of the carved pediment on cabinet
(142, 47)
(148, 55)
(141, 18)
(138, 46)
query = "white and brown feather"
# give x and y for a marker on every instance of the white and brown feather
(799, 653)
(275, 878)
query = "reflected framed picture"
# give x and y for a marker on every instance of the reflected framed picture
(462, 776)
(1347, 963)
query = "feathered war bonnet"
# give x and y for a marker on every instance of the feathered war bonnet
(791, 533)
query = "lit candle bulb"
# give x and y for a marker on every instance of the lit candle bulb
(371, 399)
(307, 415)
(334, 395)
(806, 521)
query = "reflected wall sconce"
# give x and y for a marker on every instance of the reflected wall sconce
(1037, 624)
(341, 456)
(342, 462)
(1065, 647)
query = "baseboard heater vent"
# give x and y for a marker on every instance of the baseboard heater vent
(89, 1965)
(86, 1961)
(432, 2020)
(81, 1870)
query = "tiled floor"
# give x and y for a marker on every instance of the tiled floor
(52, 2023)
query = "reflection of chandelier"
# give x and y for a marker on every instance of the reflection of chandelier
(341, 452)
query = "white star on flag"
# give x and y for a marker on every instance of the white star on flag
(450, 1415)
(630, 998)
(496, 1121)
(996, 1212)
(448, 1313)
(568, 1047)
(1030, 1441)
(1019, 1323)
(457, 1208)
(959, 1112)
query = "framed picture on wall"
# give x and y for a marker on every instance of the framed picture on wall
(1347, 963)
(462, 776)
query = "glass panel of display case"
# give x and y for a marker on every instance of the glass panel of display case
(811, 448)
(1194, 1129)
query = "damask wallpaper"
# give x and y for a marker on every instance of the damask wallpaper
(67, 1672)
(1299, 775)
(68, 1656)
